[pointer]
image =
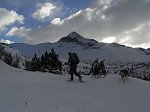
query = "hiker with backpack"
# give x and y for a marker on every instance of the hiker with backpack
(73, 60)
(98, 69)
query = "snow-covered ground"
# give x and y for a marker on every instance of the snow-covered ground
(23, 91)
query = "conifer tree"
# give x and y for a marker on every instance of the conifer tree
(16, 61)
(34, 63)
(8, 58)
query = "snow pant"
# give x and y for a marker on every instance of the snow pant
(73, 70)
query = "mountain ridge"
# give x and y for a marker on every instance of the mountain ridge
(87, 49)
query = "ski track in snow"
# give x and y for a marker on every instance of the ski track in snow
(45, 92)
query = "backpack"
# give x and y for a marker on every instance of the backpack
(75, 58)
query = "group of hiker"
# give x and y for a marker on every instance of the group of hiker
(49, 62)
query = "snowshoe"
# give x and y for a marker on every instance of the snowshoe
(70, 80)
(80, 78)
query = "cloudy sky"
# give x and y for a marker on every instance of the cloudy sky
(35, 21)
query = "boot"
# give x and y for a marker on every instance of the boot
(80, 78)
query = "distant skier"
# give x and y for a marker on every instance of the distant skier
(103, 70)
(73, 60)
(95, 62)
(93, 65)
(124, 73)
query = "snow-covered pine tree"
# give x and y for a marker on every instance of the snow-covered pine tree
(8, 58)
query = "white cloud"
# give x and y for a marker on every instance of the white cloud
(44, 10)
(6, 41)
(56, 21)
(138, 36)
(9, 17)
(108, 40)
(104, 2)
(21, 32)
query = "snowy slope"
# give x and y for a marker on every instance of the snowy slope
(87, 49)
(29, 50)
(45, 92)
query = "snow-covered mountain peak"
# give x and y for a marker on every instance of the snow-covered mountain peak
(76, 38)
(74, 35)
